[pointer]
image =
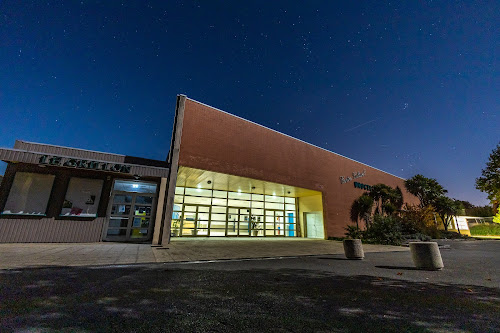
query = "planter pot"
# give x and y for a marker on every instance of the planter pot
(426, 255)
(353, 249)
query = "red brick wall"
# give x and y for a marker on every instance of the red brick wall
(217, 141)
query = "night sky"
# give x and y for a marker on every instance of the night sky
(407, 87)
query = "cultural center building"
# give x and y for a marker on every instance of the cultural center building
(224, 177)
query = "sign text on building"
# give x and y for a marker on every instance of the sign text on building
(355, 175)
(83, 164)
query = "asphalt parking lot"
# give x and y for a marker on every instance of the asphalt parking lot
(323, 293)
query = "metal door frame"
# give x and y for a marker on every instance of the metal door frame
(131, 214)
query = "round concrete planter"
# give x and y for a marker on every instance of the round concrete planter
(353, 249)
(426, 255)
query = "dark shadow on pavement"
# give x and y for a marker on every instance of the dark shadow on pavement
(159, 299)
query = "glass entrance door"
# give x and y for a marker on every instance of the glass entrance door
(131, 211)
(275, 225)
(195, 220)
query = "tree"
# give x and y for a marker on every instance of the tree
(387, 199)
(446, 208)
(490, 180)
(427, 190)
(361, 209)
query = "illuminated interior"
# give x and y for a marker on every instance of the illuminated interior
(212, 204)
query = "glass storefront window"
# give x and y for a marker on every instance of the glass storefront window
(83, 196)
(29, 194)
(202, 212)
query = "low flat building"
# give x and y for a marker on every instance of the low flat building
(224, 177)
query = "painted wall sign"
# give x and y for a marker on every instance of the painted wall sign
(362, 186)
(83, 164)
(355, 175)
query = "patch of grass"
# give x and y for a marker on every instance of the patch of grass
(486, 229)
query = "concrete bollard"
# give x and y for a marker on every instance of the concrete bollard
(426, 255)
(353, 249)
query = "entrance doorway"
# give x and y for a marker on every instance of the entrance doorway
(131, 211)
(194, 221)
(314, 225)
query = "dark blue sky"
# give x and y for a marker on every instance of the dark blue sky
(407, 87)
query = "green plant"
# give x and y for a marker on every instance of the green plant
(353, 232)
(427, 190)
(486, 229)
(384, 230)
(416, 220)
(489, 182)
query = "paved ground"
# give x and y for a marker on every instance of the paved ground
(323, 293)
(190, 249)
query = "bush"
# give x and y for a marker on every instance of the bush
(353, 232)
(485, 229)
(384, 230)
(416, 220)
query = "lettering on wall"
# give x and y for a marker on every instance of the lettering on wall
(83, 164)
(355, 175)
(362, 186)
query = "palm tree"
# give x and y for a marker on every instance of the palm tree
(361, 209)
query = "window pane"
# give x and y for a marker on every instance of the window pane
(239, 203)
(220, 194)
(270, 205)
(117, 232)
(203, 209)
(218, 224)
(178, 198)
(218, 217)
(144, 200)
(140, 222)
(29, 194)
(142, 210)
(138, 233)
(83, 195)
(198, 192)
(217, 232)
(257, 204)
(120, 209)
(177, 207)
(134, 186)
(240, 196)
(258, 197)
(122, 199)
(273, 198)
(179, 190)
(195, 200)
(216, 209)
(289, 207)
(219, 202)
(118, 223)
(257, 211)
(290, 200)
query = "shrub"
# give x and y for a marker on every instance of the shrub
(353, 232)
(416, 220)
(384, 230)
